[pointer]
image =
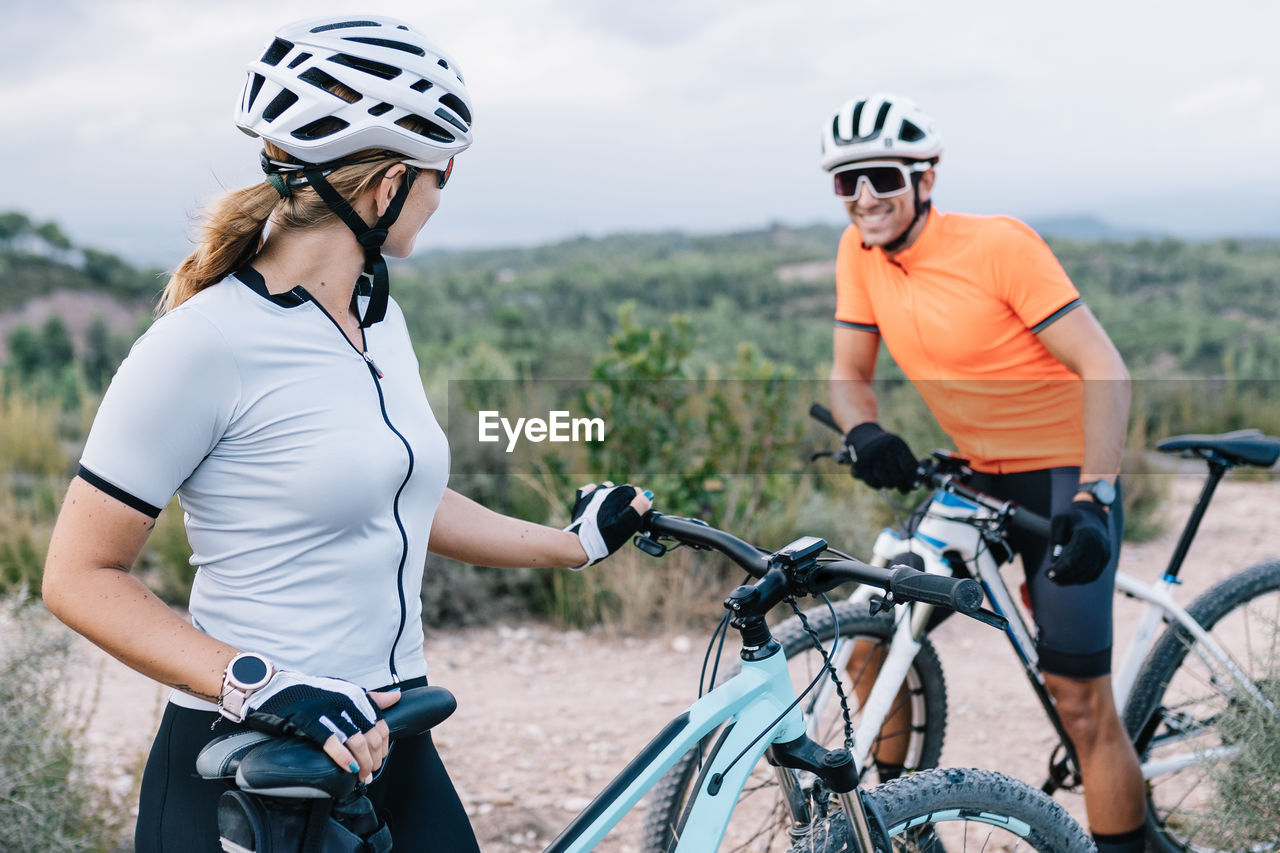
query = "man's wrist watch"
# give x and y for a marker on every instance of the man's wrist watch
(1102, 492)
(246, 674)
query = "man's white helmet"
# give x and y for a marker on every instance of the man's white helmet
(399, 90)
(876, 127)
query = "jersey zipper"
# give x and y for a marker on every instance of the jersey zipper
(376, 373)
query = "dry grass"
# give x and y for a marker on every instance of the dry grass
(48, 801)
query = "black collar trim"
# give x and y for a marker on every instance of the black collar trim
(253, 279)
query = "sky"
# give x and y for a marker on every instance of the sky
(600, 116)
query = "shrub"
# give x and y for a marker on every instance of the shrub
(1246, 813)
(48, 800)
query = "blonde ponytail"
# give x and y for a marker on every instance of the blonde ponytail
(230, 235)
(231, 230)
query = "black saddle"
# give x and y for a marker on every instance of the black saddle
(1242, 447)
(260, 763)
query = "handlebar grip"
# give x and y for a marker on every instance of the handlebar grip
(962, 595)
(1025, 519)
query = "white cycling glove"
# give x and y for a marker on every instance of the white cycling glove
(604, 520)
(311, 707)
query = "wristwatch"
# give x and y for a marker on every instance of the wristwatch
(246, 674)
(1102, 492)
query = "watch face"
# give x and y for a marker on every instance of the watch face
(1103, 491)
(249, 670)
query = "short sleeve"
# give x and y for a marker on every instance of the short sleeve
(1030, 279)
(169, 403)
(853, 306)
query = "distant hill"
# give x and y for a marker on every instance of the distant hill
(1174, 308)
(43, 274)
(1086, 227)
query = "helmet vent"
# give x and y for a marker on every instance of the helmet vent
(456, 104)
(394, 45)
(379, 109)
(425, 127)
(368, 66)
(881, 116)
(442, 64)
(279, 104)
(254, 89)
(276, 52)
(321, 80)
(910, 133)
(344, 25)
(421, 86)
(299, 59)
(320, 128)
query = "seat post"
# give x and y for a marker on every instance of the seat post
(1217, 468)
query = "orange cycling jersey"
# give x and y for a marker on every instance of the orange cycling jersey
(959, 311)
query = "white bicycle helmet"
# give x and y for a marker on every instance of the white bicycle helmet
(876, 127)
(400, 92)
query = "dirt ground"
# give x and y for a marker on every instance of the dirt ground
(546, 718)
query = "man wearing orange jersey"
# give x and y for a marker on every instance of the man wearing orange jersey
(982, 318)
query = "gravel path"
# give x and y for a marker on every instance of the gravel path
(547, 718)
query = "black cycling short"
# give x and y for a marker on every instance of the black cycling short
(1074, 634)
(178, 813)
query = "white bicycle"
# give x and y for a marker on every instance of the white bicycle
(1182, 690)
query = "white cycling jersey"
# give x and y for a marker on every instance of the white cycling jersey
(309, 483)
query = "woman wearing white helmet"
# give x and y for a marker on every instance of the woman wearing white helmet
(279, 396)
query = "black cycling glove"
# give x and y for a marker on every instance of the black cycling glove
(311, 707)
(604, 520)
(1081, 543)
(881, 459)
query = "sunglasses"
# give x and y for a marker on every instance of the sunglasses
(885, 178)
(444, 174)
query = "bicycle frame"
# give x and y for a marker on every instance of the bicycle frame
(945, 528)
(751, 702)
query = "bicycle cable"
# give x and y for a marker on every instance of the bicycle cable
(719, 777)
(721, 632)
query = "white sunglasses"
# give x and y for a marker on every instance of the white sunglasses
(885, 178)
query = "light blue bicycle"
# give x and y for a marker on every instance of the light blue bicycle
(758, 718)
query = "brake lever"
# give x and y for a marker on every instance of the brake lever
(882, 603)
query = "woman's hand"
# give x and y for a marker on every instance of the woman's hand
(605, 517)
(338, 715)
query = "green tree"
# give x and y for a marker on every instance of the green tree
(25, 352)
(56, 347)
(53, 237)
(13, 224)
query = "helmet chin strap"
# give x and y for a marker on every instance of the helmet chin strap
(370, 237)
(922, 209)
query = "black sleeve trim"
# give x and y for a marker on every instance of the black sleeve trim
(1056, 315)
(861, 327)
(118, 493)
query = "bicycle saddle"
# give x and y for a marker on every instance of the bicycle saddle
(292, 767)
(1242, 447)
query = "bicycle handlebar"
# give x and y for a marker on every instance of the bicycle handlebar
(963, 595)
(927, 473)
(691, 532)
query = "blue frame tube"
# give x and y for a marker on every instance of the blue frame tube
(755, 697)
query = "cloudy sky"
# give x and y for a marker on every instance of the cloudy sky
(598, 116)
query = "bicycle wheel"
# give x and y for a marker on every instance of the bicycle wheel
(760, 820)
(1207, 732)
(953, 809)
